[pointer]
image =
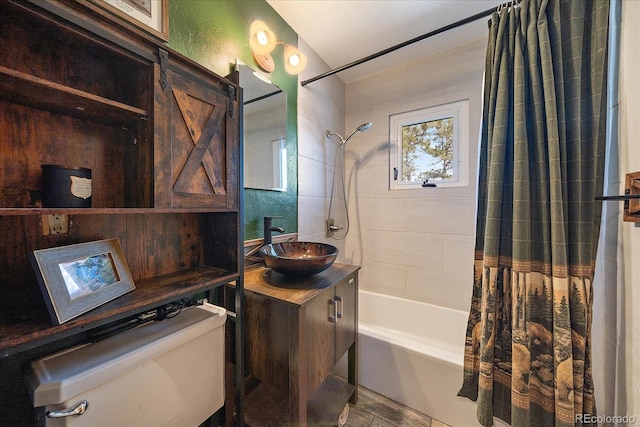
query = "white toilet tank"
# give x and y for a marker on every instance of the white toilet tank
(167, 373)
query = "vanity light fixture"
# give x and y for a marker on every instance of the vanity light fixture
(262, 42)
(294, 60)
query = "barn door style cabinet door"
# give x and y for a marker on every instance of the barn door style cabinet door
(199, 133)
(296, 332)
(80, 88)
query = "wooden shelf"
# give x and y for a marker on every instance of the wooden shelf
(149, 293)
(21, 88)
(266, 406)
(104, 211)
(327, 402)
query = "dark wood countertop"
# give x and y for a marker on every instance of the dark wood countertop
(298, 291)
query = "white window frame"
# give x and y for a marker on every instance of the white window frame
(459, 111)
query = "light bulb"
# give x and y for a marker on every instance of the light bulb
(294, 60)
(262, 38)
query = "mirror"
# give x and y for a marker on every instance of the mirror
(265, 131)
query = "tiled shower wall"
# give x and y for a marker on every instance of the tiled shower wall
(320, 108)
(416, 244)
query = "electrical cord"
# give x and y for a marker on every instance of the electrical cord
(174, 308)
(167, 311)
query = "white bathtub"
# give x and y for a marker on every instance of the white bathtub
(412, 352)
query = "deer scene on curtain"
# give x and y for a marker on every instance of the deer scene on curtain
(528, 344)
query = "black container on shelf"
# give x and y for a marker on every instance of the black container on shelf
(66, 187)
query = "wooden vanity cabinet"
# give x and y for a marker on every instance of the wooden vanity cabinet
(330, 328)
(296, 332)
(160, 134)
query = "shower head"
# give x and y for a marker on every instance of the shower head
(343, 140)
(364, 126)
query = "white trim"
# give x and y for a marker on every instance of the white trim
(459, 111)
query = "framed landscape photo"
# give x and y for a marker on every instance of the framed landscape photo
(150, 15)
(77, 278)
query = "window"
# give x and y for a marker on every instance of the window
(430, 146)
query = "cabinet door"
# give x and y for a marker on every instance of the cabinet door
(196, 155)
(347, 307)
(319, 330)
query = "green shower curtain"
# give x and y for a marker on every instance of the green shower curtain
(528, 345)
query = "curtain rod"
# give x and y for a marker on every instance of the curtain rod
(401, 45)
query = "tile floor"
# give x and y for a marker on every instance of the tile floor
(375, 410)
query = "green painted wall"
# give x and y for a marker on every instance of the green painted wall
(216, 32)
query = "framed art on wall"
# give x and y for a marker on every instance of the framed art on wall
(150, 15)
(77, 278)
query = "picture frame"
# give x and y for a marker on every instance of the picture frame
(151, 16)
(75, 279)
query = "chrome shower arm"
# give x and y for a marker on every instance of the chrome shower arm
(330, 134)
(343, 140)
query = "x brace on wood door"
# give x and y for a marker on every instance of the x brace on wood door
(202, 137)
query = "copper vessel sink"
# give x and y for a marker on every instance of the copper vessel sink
(299, 258)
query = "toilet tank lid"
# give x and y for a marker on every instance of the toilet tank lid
(61, 376)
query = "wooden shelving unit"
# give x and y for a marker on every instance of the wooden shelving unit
(21, 88)
(80, 90)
